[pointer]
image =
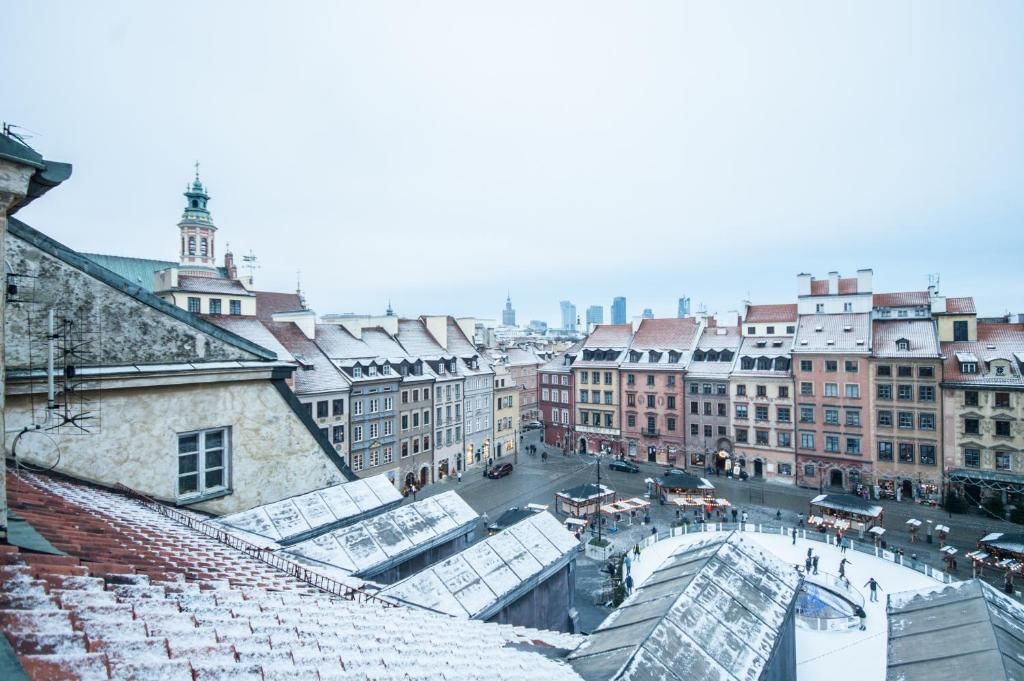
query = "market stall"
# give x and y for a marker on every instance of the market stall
(583, 500)
(626, 509)
(844, 512)
(1000, 551)
(674, 486)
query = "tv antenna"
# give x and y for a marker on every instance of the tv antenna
(249, 263)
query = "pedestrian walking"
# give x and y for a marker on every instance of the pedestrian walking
(743, 521)
(1008, 581)
(807, 565)
(874, 587)
(800, 520)
(636, 550)
(629, 584)
(778, 514)
(627, 564)
(459, 474)
(794, 536)
(814, 563)
(809, 552)
(734, 513)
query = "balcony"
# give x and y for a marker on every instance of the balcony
(647, 432)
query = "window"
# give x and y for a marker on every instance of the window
(784, 391)
(721, 431)
(885, 450)
(630, 379)
(785, 439)
(832, 416)
(741, 435)
(694, 429)
(903, 344)
(193, 305)
(971, 398)
(806, 388)
(191, 245)
(722, 409)
(831, 443)
(806, 365)
(707, 431)
(819, 308)
(790, 330)
(338, 407)
(670, 381)
(595, 377)
(853, 445)
(782, 414)
(707, 409)
(1002, 461)
(806, 414)
(770, 330)
(972, 457)
(338, 434)
(545, 395)
(721, 389)
(203, 462)
(831, 390)
(583, 377)
(583, 395)
(670, 424)
(761, 437)
(741, 390)
(308, 408)
(883, 370)
(971, 426)
(926, 421)
(650, 401)
(607, 397)
(705, 388)
(960, 331)
(785, 469)
(906, 452)
(235, 307)
(926, 454)
(694, 407)
(762, 390)
(595, 396)
(906, 419)
(373, 431)
(751, 330)
(1002, 429)
(694, 389)
(853, 417)
(847, 307)
(761, 412)
(607, 378)
(415, 420)
(904, 392)
(885, 418)
(651, 424)
(322, 407)
(852, 391)
(905, 372)
(426, 442)
(585, 417)
(926, 372)
(671, 402)
(884, 391)
(926, 393)
(741, 411)
(809, 470)
(851, 366)
(650, 380)
(357, 408)
(607, 420)
(807, 440)
(374, 405)
(831, 365)
(1002, 399)
(631, 420)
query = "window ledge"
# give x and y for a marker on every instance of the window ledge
(195, 499)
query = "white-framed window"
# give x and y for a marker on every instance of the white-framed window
(193, 305)
(565, 417)
(387, 428)
(374, 456)
(357, 433)
(386, 370)
(374, 405)
(389, 455)
(852, 391)
(357, 461)
(544, 394)
(374, 430)
(372, 370)
(357, 407)
(389, 403)
(357, 372)
(203, 462)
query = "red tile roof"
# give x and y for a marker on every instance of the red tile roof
(269, 302)
(664, 334)
(610, 336)
(143, 596)
(770, 313)
(819, 287)
(963, 305)
(901, 299)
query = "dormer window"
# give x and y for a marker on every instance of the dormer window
(746, 362)
(713, 356)
(1000, 370)
(404, 370)
(903, 344)
(373, 370)
(357, 371)
(386, 370)
(968, 368)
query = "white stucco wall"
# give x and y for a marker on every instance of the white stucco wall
(273, 454)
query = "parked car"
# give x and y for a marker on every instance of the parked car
(499, 471)
(624, 466)
(533, 425)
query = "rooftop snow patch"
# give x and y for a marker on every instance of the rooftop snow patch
(481, 580)
(714, 610)
(373, 545)
(291, 520)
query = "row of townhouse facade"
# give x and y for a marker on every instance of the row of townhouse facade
(900, 394)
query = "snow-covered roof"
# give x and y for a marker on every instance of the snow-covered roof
(373, 545)
(296, 518)
(481, 580)
(712, 611)
(847, 503)
(966, 630)
(1011, 542)
(683, 481)
(586, 492)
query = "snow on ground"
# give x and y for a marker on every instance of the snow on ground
(821, 655)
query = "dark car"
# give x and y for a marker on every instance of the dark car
(624, 466)
(500, 470)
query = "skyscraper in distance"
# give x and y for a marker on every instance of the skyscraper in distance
(508, 315)
(648, 313)
(619, 310)
(595, 315)
(684, 307)
(568, 315)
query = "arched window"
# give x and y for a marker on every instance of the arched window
(764, 363)
(747, 363)
(202, 247)
(191, 245)
(195, 203)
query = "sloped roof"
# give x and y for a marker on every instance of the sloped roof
(482, 579)
(921, 335)
(251, 329)
(833, 328)
(665, 334)
(299, 517)
(199, 284)
(338, 344)
(713, 610)
(609, 336)
(371, 546)
(143, 596)
(417, 341)
(996, 341)
(901, 299)
(139, 271)
(269, 302)
(964, 630)
(963, 305)
(759, 314)
(847, 503)
(316, 373)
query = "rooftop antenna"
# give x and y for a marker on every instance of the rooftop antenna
(298, 288)
(250, 263)
(933, 280)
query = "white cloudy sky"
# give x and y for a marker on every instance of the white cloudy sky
(440, 153)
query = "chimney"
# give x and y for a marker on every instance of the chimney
(304, 319)
(803, 284)
(833, 283)
(938, 303)
(229, 265)
(864, 277)
(437, 325)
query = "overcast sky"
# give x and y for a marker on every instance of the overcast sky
(440, 153)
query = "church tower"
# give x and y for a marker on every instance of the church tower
(197, 232)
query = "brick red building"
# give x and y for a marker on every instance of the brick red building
(556, 400)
